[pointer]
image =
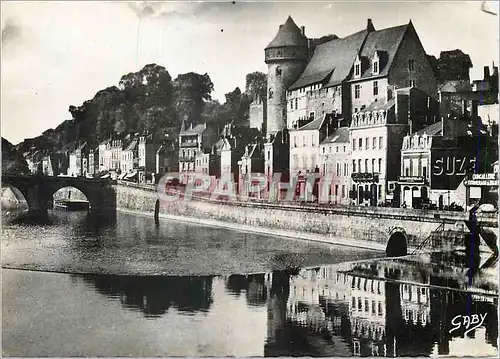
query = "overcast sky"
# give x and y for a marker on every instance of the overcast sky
(57, 54)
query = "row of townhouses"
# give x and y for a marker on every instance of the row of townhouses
(134, 158)
(366, 111)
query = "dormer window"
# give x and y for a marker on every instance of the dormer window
(278, 71)
(357, 67)
(411, 65)
(375, 64)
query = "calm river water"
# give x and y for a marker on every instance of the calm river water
(75, 287)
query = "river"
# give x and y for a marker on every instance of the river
(77, 287)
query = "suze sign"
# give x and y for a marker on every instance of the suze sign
(452, 166)
(448, 171)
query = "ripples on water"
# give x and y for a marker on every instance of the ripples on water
(376, 307)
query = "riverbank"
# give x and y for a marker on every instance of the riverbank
(362, 227)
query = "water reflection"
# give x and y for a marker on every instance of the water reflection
(367, 309)
(154, 295)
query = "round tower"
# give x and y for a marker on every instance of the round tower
(286, 58)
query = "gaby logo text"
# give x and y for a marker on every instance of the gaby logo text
(467, 322)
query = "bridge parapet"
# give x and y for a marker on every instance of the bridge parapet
(39, 190)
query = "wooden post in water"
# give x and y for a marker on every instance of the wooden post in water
(157, 212)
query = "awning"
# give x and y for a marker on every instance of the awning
(107, 175)
(122, 176)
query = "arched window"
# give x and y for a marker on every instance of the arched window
(270, 93)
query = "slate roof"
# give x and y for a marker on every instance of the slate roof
(379, 105)
(460, 128)
(289, 34)
(341, 135)
(386, 42)
(316, 124)
(196, 130)
(335, 57)
(131, 145)
(433, 130)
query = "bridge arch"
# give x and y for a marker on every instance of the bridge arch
(39, 191)
(397, 245)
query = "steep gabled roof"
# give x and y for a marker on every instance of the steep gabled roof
(288, 34)
(335, 57)
(386, 42)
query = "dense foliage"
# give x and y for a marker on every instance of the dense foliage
(150, 101)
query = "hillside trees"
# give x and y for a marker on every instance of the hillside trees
(150, 101)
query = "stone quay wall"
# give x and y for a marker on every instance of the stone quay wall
(349, 225)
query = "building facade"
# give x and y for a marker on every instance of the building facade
(334, 164)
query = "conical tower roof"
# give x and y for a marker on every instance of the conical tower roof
(289, 34)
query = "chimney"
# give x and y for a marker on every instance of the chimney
(303, 30)
(486, 73)
(369, 25)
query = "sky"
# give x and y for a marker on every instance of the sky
(57, 54)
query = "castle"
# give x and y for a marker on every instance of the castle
(339, 108)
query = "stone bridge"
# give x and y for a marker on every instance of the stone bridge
(39, 191)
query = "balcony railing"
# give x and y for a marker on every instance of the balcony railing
(189, 144)
(412, 179)
(364, 177)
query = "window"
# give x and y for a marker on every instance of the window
(366, 165)
(268, 155)
(379, 165)
(354, 144)
(357, 90)
(357, 70)
(337, 149)
(367, 143)
(338, 169)
(375, 67)
(311, 115)
(343, 191)
(270, 93)
(291, 104)
(336, 191)
(412, 83)
(344, 148)
(380, 142)
(360, 143)
(411, 65)
(375, 88)
(296, 103)
(379, 191)
(353, 166)
(374, 142)
(323, 150)
(424, 172)
(278, 71)
(373, 165)
(303, 141)
(359, 166)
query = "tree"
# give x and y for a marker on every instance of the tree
(191, 92)
(256, 85)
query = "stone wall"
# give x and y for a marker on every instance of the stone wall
(357, 226)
